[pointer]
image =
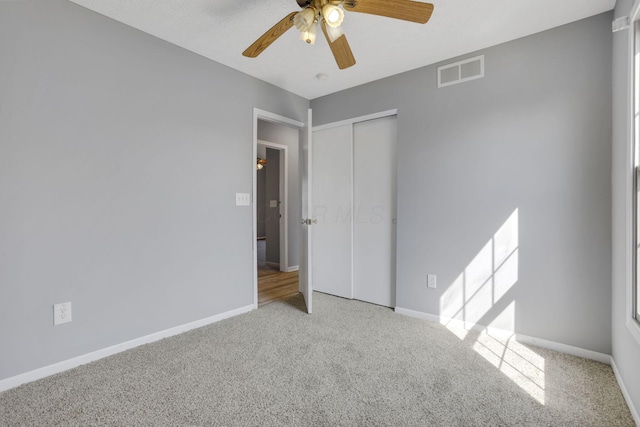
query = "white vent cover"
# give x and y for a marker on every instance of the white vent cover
(461, 71)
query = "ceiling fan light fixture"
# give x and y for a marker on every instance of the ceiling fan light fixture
(332, 15)
(305, 19)
(309, 36)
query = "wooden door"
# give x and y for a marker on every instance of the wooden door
(305, 272)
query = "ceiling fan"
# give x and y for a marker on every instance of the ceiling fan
(329, 14)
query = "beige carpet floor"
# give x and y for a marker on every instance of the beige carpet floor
(349, 363)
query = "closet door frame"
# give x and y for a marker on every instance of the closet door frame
(351, 122)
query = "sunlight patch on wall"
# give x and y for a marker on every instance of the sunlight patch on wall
(485, 281)
(478, 300)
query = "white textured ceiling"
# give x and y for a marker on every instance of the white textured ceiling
(222, 29)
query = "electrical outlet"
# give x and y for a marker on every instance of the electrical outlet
(431, 281)
(61, 313)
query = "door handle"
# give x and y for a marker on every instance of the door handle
(309, 221)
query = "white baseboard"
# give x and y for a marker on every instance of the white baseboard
(292, 269)
(625, 393)
(501, 333)
(418, 314)
(65, 365)
(564, 348)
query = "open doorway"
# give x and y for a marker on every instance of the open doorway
(277, 210)
(271, 206)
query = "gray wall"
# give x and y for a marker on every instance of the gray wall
(626, 350)
(120, 157)
(284, 135)
(533, 135)
(272, 220)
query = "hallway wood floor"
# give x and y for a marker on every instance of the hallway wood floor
(274, 286)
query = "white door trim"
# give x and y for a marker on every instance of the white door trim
(259, 114)
(632, 325)
(393, 112)
(284, 198)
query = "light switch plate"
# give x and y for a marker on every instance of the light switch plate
(243, 199)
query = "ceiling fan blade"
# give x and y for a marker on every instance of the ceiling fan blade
(270, 36)
(340, 49)
(406, 10)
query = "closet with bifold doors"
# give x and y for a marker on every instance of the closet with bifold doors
(354, 202)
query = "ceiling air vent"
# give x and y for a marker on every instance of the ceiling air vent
(461, 71)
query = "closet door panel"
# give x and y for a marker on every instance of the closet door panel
(332, 198)
(374, 177)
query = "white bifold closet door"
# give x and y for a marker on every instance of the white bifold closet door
(354, 188)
